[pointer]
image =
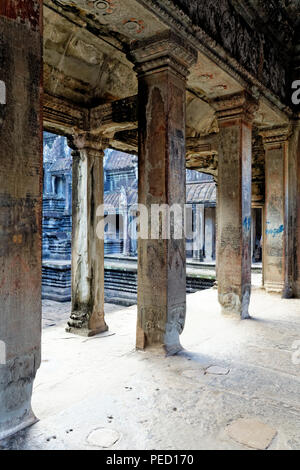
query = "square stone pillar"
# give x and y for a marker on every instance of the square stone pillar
(276, 143)
(162, 66)
(199, 233)
(235, 115)
(293, 222)
(21, 164)
(87, 317)
(210, 234)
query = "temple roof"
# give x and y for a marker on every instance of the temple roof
(119, 161)
(204, 193)
(62, 164)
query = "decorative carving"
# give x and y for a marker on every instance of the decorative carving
(95, 143)
(276, 135)
(62, 115)
(215, 26)
(115, 116)
(236, 106)
(166, 49)
(134, 26)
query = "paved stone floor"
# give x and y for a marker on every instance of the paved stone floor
(235, 385)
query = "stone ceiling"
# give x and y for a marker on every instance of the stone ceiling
(86, 44)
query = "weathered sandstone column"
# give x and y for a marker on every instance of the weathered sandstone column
(235, 116)
(292, 210)
(87, 317)
(210, 224)
(276, 143)
(162, 66)
(20, 209)
(199, 236)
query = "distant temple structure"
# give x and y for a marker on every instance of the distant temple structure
(120, 198)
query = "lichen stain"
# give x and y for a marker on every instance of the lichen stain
(23, 11)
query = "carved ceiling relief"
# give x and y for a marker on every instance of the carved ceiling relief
(250, 47)
(110, 12)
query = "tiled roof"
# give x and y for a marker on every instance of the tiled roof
(204, 193)
(61, 164)
(201, 193)
(113, 198)
(119, 161)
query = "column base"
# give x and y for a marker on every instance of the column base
(16, 382)
(80, 324)
(158, 348)
(231, 306)
(274, 287)
(86, 332)
(288, 292)
(17, 426)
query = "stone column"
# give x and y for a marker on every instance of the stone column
(162, 66)
(87, 317)
(210, 227)
(199, 232)
(21, 185)
(292, 210)
(235, 115)
(276, 153)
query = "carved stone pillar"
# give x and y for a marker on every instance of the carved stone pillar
(292, 207)
(21, 125)
(162, 66)
(87, 317)
(276, 150)
(235, 115)
(199, 234)
(210, 235)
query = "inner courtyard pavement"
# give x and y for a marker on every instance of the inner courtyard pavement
(234, 386)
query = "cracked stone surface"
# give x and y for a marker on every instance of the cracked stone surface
(154, 402)
(252, 433)
(103, 437)
(215, 370)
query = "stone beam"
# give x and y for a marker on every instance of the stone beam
(61, 116)
(202, 154)
(114, 117)
(215, 28)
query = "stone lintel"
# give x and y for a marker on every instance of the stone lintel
(163, 51)
(63, 116)
(117, 116)
(237, 106)
(93, 143)
(275, 135)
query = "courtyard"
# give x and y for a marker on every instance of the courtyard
(100, 393)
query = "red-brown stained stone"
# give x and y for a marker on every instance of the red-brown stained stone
(234, 204)
(162, 277)
(23, 11)
(20, 210)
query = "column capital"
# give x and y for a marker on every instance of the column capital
(238, 106)
(163, 51)
(275, 135)
(87, 141)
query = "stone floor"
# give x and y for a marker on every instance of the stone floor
(235, 386)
